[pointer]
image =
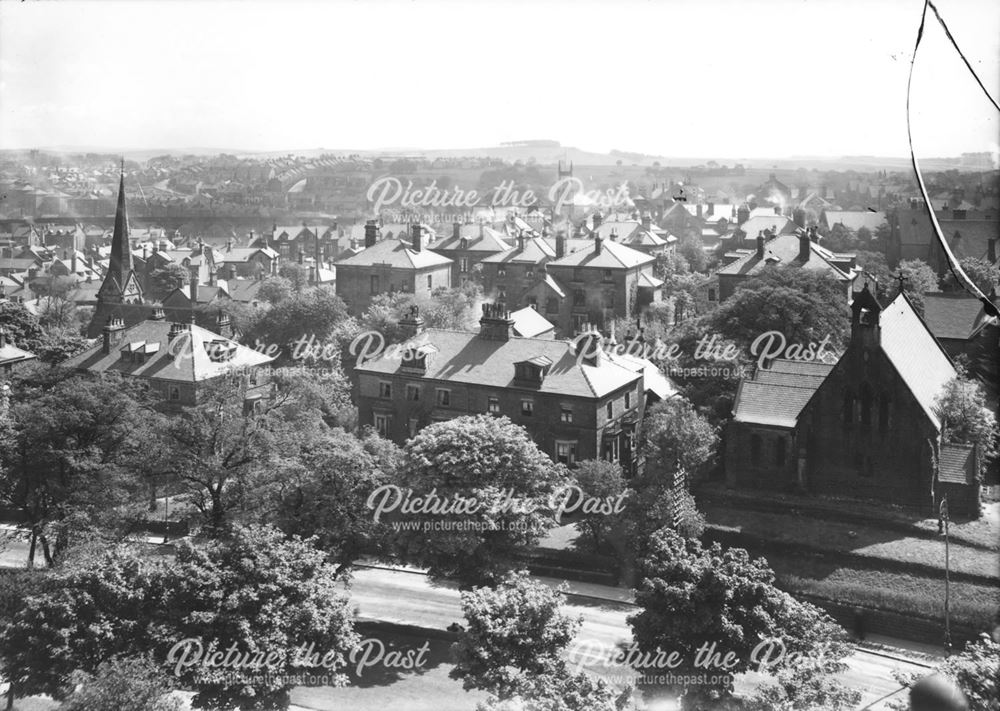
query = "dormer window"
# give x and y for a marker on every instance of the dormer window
(464, 242)
(533, 370)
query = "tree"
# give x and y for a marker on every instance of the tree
(599, 480)
(512, 630)
(984, 275)
(296, 275)
(222, 454)
(166, 279)
(309, 319)
(713, 601)
(918, 279)
(809, 688)
(966, 418)
(76, 466)
(559, 689)
(691, 249)
(56, 308)
(124, 684)
(323, 493)
(21, 326)
(493, 463)
(276, 289)
(976, 671)
(256, 591)
(676, 435)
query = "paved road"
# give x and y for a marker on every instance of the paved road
(408, 598)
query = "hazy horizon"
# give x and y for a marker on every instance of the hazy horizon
(780, 79)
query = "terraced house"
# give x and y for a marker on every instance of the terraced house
(574, 408)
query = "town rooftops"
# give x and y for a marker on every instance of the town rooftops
(777, 224)
(854, 220)
(464, 357)
(776, 395)
(197, 358)
(395, 253)
(479, 239)
(611, 256)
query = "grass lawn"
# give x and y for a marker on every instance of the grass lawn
(867, 540)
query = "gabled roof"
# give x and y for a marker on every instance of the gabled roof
(612, 256)
(192, 365)
(464, 357)
(489, 241)
(528, 323)
(397, 254)
(536, 250)
(957, 464)
(783, 250)
(776, 395)
(777, 224)
(953, 315)
(915, 353)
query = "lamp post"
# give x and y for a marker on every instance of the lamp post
(943, 514)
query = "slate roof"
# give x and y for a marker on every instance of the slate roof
(489, 241)
(957, 464)
(778, 224)
(396, 253)
(536, 250)
(10, 354)
(465, 357)
(528, 323)
(784, 250)
(612, 256)
(915, 353)
(161, 365)
(776, 395)
(952, 315)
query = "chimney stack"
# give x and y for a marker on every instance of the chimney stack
(760, 245)
(598, 219)
(112, 333)
(158, 314)
(224, 325)
(412, 323)
(777, 210)
(371, 233)
(456, 230)
(699, 208)
(597, 245)
(991, 250)
(799, 217)
(193, 291)
(3, 337)
(805, 246)
(647, 221)
(496, 323)
(560, 244)
(742, 214)
(415, 236)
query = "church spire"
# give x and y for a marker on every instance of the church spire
(121, 250)
(120, 283)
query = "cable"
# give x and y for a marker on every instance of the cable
(953, 265)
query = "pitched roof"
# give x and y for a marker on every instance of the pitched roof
(397, 254)
(915, 353)
(612, 256)
(467, 358)
(776, 395)
(777, 224)
(489, 241)
(193, 363)
(954, 315)
(784, 250)
(10, 354)
(536, 250)
(528, 323)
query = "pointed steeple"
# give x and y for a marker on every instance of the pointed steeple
(120, 284)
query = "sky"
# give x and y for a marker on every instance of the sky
(706, 78)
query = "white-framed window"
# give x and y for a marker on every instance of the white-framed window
(412, 392)
(566, 451)
(444, 397)
(463, 264)
(527, 408)
(493, 405)
(385, 389)
(611, 453)
(382, 424)
(566, 415)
